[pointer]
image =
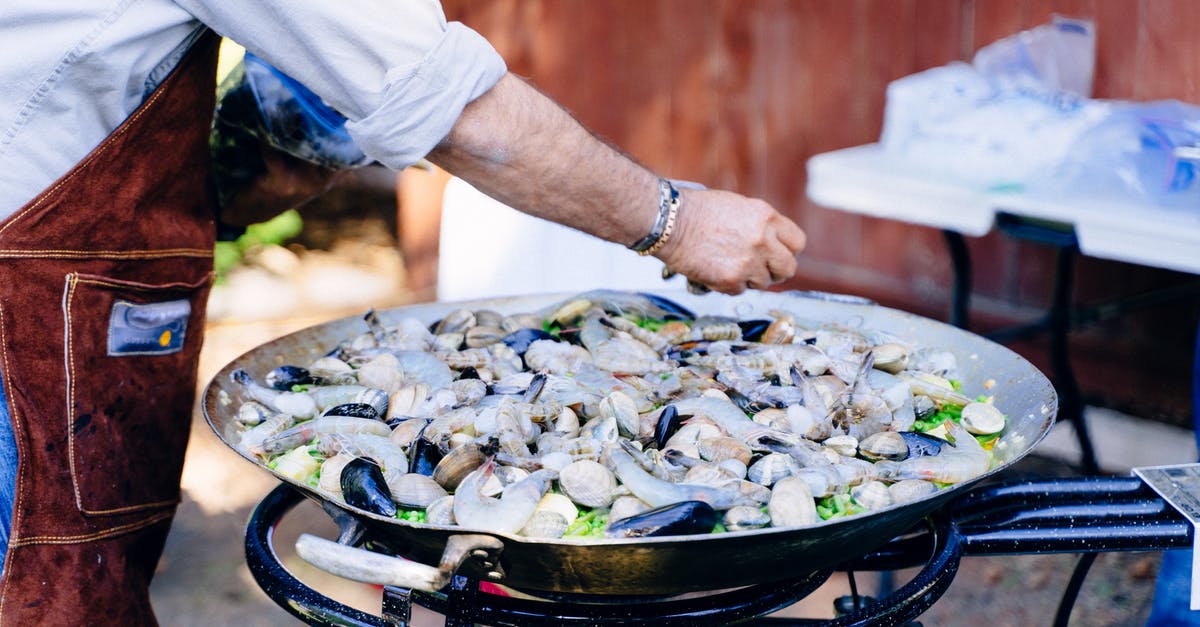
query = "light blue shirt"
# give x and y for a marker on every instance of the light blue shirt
(72, 70)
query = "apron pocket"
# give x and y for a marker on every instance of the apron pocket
(130, 351)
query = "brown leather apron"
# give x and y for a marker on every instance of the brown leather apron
(103, 281)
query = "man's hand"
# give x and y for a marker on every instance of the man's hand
(731, 243)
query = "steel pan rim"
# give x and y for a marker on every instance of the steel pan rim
(864, 310)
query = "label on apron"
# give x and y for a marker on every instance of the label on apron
(147, 329)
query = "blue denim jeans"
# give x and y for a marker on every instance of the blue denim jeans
(8, 474)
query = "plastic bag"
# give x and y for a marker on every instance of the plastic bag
(1140, 151)
(1017, 120)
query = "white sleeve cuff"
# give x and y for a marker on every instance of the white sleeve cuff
(421, 103)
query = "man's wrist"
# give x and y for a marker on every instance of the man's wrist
(664, 223)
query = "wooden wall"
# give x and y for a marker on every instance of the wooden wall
(740, 93)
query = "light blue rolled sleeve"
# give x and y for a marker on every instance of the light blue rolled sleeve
(422, 102)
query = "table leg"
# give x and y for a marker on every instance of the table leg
(960, 294)
(1070, 402)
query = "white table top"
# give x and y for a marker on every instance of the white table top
(868, 181)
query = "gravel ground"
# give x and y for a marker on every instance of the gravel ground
(203, 579)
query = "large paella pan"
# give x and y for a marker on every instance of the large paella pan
(720, 555)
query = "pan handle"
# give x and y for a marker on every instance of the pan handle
(831, 297)
(375, 568)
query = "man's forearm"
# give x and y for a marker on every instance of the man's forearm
(520, 147)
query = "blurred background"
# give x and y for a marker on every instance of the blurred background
(736, 94)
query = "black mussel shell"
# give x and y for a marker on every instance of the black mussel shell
(536, 385)
(520, 339)
(676, 519)
(363, 487)
(673, 309)
(922, 444)
(468, 373)
(668, 423)
(752, 330)
(753, 406)
(356, 410)
(423, 457)
(284, 377)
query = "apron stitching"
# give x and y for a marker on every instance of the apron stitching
(99, 535)
(108, 254)
(22, 454)
(96, 154)
(70, 367)
(141, 287)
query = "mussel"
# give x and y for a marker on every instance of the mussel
(363, 487)
(357, 410)
(284, 377)
(752, 330)
(520, 339)
(423, 456)
(668, 423)
(676, 519)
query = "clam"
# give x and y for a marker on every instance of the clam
(457, 321)
(889, 445)
(457, 464)
(724, 447)
(619, 406)
(405, 399)
(447, 342)
(405, 431)
(332, 370)
(414, 490)
(626, 506)
(382, 372)
(773, 417)
(872, 495)
(567, 422)
(753, 491)
(331, 474)
(735, 467)
(514, 322)
(771, 468)
(745, 517)
(587, 483)
(791, 503)
(545, 524)
(709, 474)
(982, 419)
(890, 357)
(488, 318)
(441, 511)
(480, 336)
(846, 445)
(555, 502)
(910, 490)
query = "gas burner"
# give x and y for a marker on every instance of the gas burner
(1081, 515)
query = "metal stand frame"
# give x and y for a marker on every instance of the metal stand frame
(1084, 515)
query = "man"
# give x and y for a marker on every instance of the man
(107, 233)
